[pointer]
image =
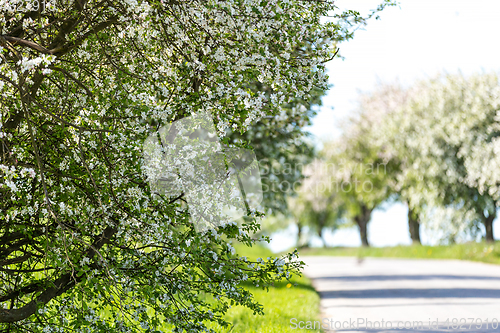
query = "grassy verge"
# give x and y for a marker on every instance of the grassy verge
(282, 303)
(489, 253)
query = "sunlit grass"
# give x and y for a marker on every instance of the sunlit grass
(484, 252)
(281, 303)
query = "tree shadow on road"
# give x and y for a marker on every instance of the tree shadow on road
(413, 293)
(417, 277)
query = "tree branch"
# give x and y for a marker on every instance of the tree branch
(74, 79)
(59, 286)
(24, 42)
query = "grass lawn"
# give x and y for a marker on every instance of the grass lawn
(489, 253)
(282, 303)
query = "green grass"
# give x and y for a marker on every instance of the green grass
(489, 253)
(281, 303)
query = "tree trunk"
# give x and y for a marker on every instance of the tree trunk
(320, 234)
(488, 225)
(363, 233)
(362, 221)
(414, 226)
(321, 226)
(299, 233)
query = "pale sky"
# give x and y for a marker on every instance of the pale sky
(415, 40)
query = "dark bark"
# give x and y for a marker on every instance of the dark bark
(59, 286)
(320, 235)
(488, 225)
(321, 226)
(299, 233)
(414, 226)
(362, 220)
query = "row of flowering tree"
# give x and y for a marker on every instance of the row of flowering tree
(432, 145)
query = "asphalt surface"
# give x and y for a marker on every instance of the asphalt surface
(405, 295)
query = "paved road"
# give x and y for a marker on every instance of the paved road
(414, 295)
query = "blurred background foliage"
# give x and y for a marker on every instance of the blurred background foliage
(432, 145)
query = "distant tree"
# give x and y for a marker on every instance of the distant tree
(281, 147)
(362, 179)
(316, 206)
(443, 132)
(378, 113)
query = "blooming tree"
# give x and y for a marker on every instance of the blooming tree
(379, 116)
(317, 204)
(86, 245)
(359, 169)
(440, 132)
(452, 117)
